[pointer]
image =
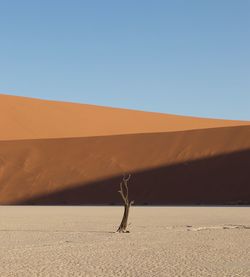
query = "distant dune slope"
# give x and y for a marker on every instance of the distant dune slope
(65, 153)
(209, 166)
(27, 118)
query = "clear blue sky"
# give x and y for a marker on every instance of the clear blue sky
(188, 57)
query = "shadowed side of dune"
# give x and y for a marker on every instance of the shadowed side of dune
(189, 167)
(224, 179)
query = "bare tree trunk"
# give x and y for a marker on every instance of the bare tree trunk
(124, 193)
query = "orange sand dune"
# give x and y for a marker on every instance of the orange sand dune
(208, 166)
(27, 118)
(65, 153)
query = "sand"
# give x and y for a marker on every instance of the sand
(29, 118)
(66, 153)
(164, 241)
(209, 166)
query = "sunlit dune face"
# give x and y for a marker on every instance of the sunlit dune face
(26, 118)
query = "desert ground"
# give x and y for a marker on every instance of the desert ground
(164, 241)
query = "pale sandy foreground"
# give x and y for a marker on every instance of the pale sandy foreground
(164, 241)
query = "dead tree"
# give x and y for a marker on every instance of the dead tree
(124, 194)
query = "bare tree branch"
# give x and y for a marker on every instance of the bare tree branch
(124, 194)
